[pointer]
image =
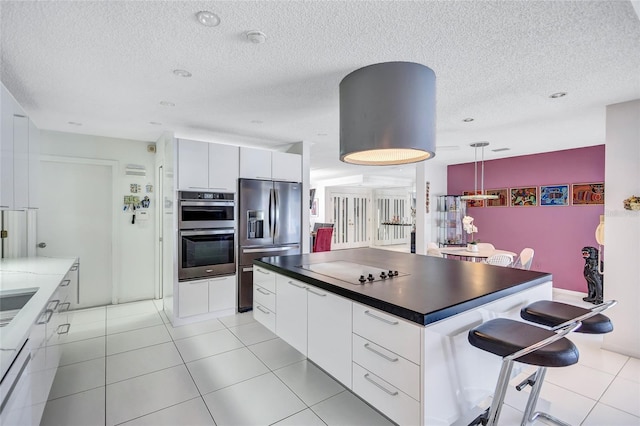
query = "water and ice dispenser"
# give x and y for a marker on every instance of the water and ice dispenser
(255, 224)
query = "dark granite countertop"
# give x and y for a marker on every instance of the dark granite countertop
(435, 288)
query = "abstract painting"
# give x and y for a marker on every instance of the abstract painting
(524, 196)
(554, 195)
(587, 193)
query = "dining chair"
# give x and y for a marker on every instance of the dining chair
(323, 240)
(500, 259)
(486, 246)
(525, 259)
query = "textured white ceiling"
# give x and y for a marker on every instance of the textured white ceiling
(108, 65)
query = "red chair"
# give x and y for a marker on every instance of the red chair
(323, 239)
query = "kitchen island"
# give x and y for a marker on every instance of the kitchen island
(392, 327)
(34, 297)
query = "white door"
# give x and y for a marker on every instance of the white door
(75, 219)
(350, 214)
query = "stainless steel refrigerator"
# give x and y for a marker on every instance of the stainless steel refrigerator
(269, 215)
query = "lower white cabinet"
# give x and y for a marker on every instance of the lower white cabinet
(387, 398)
(329, 333)
(291, 324)
(222, 293)
(203, 296)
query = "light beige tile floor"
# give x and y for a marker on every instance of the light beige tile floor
(126, 366)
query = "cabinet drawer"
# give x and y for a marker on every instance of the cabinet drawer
(395, 404)
(222, 293)
(391, 367)
(264, 316)
(264, 297)
(264, 278)
(388, 331)
(193, 298)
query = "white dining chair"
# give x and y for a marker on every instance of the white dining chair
(434, 250)
(525, 259)
(500, 259)
(486, 246)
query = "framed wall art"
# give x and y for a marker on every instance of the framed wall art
(473, 203)
(525, 196)
(314, 207)
(554, 195)
(583, 194)
(502, 200)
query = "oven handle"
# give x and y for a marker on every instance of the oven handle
(226, 231)
(269, 250)
(206, 203)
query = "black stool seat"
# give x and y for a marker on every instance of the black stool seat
(551, 314)
(504, 337)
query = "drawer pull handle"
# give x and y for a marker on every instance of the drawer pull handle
(381, 319)
(263, 310)
(388, 358)
(317, 294)
(64, 307)
(56, 301)
(74, 268)
(296, 285)
(366, 376)
(259, 289)
(65, 283)
(66, 328)
(262, 272)
(48, 313)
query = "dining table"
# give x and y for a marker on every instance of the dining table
(481, 254)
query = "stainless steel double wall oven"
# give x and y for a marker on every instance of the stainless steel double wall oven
(207, 235)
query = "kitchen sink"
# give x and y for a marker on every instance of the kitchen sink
(12, 301)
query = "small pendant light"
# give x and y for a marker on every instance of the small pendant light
(388, 114)
(476, 195)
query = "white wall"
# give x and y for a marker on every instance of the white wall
(426, 227)
(622, 227)
(136, 242)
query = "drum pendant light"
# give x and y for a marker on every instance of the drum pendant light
(478, 195)
(388, 114)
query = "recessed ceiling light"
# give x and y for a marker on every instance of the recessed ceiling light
(322, 134)
(155, 123)
(208, 19)
(558, 95)
(167, 103)
(500, 149)
(256, 37)
(468, 119)
(257, 121)
(75, 123)
(182, 73)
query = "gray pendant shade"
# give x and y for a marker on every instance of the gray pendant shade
(388, 114)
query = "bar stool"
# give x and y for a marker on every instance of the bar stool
(522, 342)
(558, 315)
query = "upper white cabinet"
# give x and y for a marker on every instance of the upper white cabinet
(19, 155)
(286, 166)
(270, 165)
(207, 166)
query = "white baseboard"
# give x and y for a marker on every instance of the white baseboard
(572, 293)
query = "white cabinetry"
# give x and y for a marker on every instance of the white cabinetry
(19, 151)
(206, 296)
(315, 322)
(207, 166)
(291, 324)
(386, 363)
(329, 333)
(270, 165)
(264, 297)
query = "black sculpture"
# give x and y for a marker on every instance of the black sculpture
(595, 280)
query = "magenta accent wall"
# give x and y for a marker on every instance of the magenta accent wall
(556, 233)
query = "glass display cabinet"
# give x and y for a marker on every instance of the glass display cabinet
(450, 211)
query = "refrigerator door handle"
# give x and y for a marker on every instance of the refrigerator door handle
(276, 214)
(272, 212)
